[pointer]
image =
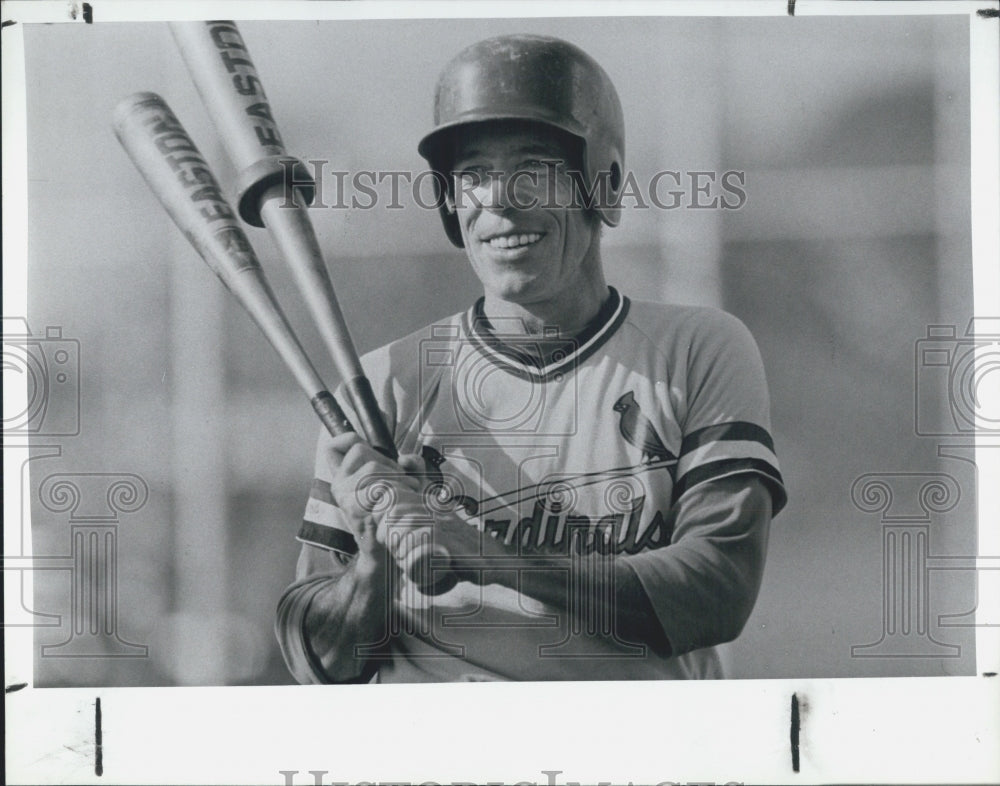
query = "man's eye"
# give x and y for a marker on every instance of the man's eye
(541, 166)
(474, 174)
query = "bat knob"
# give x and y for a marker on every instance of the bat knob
(427, 566)
(254, 182)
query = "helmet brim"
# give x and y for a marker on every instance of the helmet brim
(436, 146)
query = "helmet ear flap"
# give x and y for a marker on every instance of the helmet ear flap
(603, 181)
(615, 175)
(446, 207)
(445, 202)
(612, 212)
(451, 227)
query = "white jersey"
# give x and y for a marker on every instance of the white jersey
(579, 450)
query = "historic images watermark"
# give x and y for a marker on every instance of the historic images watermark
(532, 186)
(319, 778)
(40, 413)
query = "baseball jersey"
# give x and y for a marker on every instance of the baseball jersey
(580, 450)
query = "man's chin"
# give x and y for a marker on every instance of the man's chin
(521, 290)
(504, 281)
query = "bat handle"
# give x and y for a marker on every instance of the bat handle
(336, 421)
(428, 566)
(370, 419)
(331, 414)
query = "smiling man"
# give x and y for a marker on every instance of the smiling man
(596, 474)
(533, 247)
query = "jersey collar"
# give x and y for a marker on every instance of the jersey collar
(541, 358)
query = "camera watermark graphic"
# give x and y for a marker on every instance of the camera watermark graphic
(532, 186)
(48, 366)
(907, 504)
(460, 372)
(957, 380)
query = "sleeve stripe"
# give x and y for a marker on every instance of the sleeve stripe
(741, 430)
(717, 451)
(323, 513)
(327, 538)
(725, 467)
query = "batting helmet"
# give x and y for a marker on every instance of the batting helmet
(538, 79)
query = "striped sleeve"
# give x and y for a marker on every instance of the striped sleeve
(727, 425)
(323, 523)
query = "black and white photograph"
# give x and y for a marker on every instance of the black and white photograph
(647, 359)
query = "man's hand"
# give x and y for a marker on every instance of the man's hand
(385, 502)
(367, 486)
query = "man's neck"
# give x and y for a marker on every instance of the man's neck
(570, 313)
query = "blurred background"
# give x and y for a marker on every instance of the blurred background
(854, 239)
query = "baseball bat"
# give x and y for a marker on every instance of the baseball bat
(273, 191)
(176, 172)
(181, 179)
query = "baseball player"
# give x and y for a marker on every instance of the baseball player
(598, 470)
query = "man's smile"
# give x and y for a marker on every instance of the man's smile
(514, 240)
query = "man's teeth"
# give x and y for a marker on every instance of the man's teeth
(513, 241)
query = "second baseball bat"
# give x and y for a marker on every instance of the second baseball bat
(228, 83)
(176, 172)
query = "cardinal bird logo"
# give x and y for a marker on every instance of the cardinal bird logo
(639, 431)
(433, 461)
(438, 486)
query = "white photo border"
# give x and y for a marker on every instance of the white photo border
(852, 730)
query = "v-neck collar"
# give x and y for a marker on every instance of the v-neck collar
(542, 358)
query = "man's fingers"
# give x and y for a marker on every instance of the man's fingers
(404, 531)
(350, 456)
(357, 457)
(366, 534)
(371, 488)
(339, 446)
(412, 463)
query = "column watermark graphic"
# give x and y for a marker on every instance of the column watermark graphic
(93, 503)
(905, 503)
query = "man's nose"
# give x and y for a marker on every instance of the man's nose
(497, 196)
